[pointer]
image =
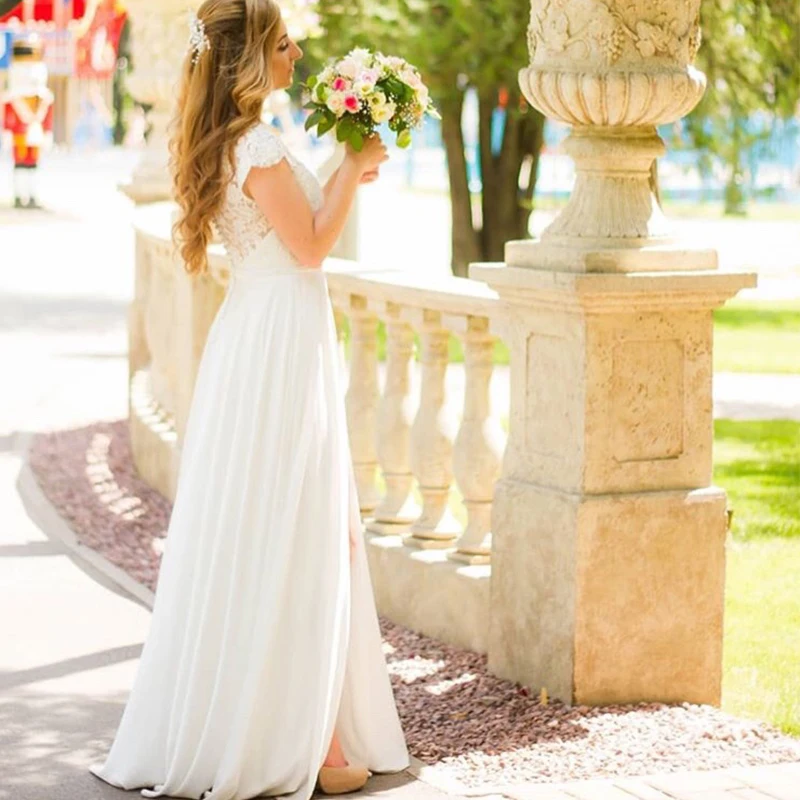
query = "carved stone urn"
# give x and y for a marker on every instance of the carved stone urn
(160, 37)
(613, 69)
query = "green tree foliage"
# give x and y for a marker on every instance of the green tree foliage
(751, 56)
(459, 44)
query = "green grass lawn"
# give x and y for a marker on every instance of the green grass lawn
(757, 336)
(749, 336)
(758, 464)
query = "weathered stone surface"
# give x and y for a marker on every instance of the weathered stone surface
(608, 540)
(426, 591)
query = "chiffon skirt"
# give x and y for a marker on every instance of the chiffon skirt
(264, 636)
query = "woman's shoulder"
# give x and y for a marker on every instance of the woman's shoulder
(260, 146)
(261, 139)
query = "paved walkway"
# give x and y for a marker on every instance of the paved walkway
(70, 637)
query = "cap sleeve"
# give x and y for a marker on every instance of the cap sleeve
(259, 147)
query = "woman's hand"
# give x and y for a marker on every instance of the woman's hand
(371, 176)
(371, 156)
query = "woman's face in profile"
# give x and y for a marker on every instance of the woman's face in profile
(285, 54)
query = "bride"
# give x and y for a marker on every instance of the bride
(263, 672)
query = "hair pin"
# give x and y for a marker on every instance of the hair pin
(198, 39)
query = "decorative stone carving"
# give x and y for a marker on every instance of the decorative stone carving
(160, 36)
(614, 31)
(614, 69)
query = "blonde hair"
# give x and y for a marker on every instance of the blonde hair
(221, 97)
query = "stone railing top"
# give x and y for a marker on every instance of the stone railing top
(445, 294)
(612, 293)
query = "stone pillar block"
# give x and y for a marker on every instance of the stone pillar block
(609, 598)
(608, 559)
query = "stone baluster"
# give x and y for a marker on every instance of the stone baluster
(398, 509)
(138, 349)
(432, 436)
(362, 399)
(340, 319)
(478, 450)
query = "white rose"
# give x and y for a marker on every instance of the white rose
(377, 99)
(383, 113)
(335, 103)
(423, 95)
(360, 55)
(348, 67)
(369, 77)
(362, 88)
(411, 78)
(326, 76)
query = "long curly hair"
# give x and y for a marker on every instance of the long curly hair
(220, 97)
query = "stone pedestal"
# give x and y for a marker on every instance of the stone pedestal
(608, 539)
(160, 40)
(608, 559)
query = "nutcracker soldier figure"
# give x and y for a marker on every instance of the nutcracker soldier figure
(27, 115)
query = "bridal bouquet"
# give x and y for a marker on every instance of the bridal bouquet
(363, 90)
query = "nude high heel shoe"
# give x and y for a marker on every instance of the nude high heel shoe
(341, 780)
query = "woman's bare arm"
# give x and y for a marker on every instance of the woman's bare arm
(331, 180)
(367, 177)
(309, 236)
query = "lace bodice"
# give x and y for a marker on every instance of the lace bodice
(241, 224)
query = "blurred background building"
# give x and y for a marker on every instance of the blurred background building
(81, 41)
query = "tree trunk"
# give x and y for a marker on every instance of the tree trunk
(533, 136)
(505, 204)
(464, 238)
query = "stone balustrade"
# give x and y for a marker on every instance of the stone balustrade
(415, 446)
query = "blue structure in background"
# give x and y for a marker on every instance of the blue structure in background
(772, 161)
(5, 49)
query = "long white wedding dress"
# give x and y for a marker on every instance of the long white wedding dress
(263, 635)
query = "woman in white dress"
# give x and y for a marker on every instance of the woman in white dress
(263, 671)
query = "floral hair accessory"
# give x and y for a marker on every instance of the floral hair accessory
(198, 40)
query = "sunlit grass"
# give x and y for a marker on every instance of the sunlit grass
(758, 336)
(758, 464)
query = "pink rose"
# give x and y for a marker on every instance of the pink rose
(352, 103)
(339, 85)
